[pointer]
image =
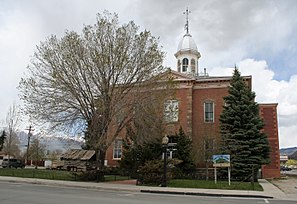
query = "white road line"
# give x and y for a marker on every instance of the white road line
(266, 201)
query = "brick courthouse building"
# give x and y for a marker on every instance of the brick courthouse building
(197, 106)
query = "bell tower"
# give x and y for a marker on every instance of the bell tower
(187, 54)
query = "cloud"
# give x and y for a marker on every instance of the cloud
(228, 31)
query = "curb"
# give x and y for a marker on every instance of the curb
(205, 194)
(122, 188)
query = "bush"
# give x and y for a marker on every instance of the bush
(135, 156)
(92, 175)
(151, 172)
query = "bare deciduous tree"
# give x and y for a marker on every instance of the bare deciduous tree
(148, 123)
(92, 80)
(37, 150)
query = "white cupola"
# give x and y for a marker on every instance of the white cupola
(187, 54)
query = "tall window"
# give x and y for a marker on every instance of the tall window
(208, 148)
(185, 64)
(117, 149)
(171, 111)
(209, 112)
(193, 65)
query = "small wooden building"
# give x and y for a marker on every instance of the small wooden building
(78, 159)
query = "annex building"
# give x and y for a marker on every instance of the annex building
(197, 106)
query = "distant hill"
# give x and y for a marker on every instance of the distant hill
(288, 151)
(293, 156)
(51, 142)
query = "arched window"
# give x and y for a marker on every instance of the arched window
(193, 65)
(185, 64)
(178, 65)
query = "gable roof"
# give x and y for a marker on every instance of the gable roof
(78, 154)
(176, 76)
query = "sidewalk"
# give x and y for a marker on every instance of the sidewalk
(270, 191)
(288, 185)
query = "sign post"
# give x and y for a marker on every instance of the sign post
(222, 160)
(215, 172)
(229, 175)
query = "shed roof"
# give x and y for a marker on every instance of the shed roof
(75, 154)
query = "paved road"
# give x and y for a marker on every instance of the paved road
(18, 193)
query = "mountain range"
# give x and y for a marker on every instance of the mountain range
(288, 151)
(51, 143)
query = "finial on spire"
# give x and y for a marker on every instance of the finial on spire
(187, 12)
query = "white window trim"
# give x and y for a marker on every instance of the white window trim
(186, 66)
(117, 148)
(171, 118)
(213, 112)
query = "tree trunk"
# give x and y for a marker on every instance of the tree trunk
(100, 158)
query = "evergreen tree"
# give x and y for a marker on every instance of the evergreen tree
(184, 152)
(136, 155)
(2, 139)
(241, 127)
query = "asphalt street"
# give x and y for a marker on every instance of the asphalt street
(26, 193)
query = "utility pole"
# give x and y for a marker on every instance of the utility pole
(29, 136)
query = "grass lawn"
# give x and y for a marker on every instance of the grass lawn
(38, 173)
(180, 183)
(210, 184)
(52, 174)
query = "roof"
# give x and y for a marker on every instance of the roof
(75, 154)
(178, 76)
(187, 43)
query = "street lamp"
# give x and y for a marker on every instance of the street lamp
(165, 141)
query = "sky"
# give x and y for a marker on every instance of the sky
(258, 36)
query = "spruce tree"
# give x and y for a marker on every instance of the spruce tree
(2, 139)
(184, 152)
(241, 130)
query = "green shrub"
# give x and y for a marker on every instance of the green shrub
(151, 172)
(92, 175)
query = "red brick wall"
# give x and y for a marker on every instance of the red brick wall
(203, 131)
(269, 113)
(109, 157)
(184, 96)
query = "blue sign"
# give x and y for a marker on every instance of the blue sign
(221, 160)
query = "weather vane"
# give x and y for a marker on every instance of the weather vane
(187, 12)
